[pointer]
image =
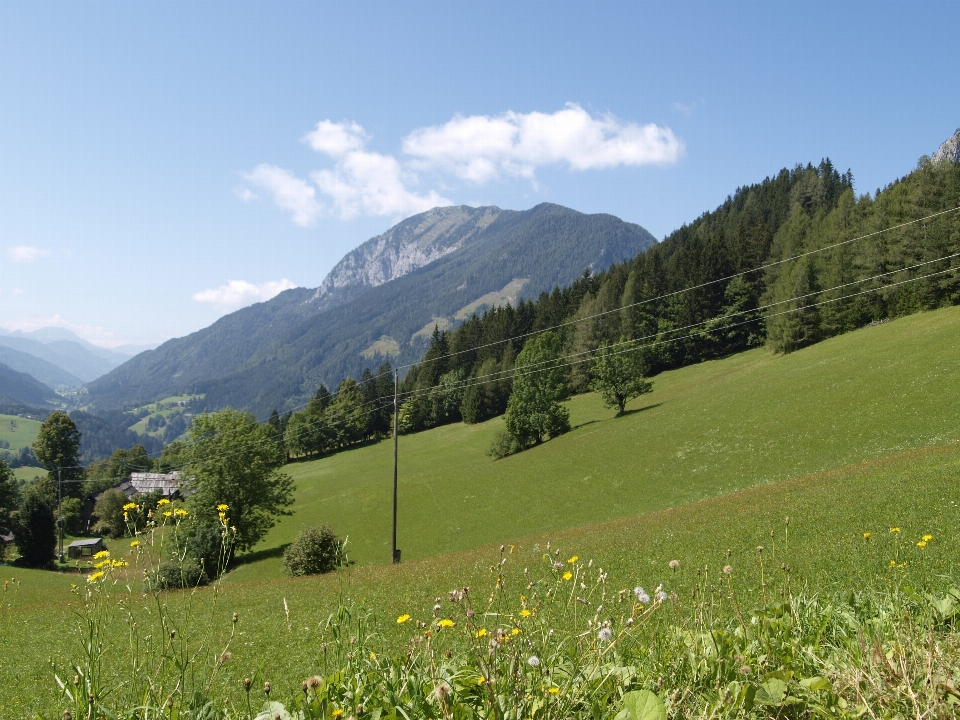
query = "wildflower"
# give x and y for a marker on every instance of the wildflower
(481, 632)
(180, 512)
(895, 530)
(524, 613)
(338, 712)
(134, 543)
(927, 538)
(373, 656)
(533, 661)
(162, 501)
(118, 563)
(674, 564)
(866, 536)
(567, 575)
(605, 634)
(893, 563)
(554, 690)
(642, 596)
(573, 559)
(402, 619)
(515, 631)
(661, 596)
(446, 623)
(96, 576)
(922, 543)
(314, 681)
(481, 680)
(130, 506)
(222, 508)
(727, 569)
(102, 554)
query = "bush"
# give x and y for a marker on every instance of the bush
(109, 513)
(316, 550)
(204, 544)
(503, 444)
(173, 575)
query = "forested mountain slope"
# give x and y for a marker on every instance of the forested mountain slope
(17, 388)
(381, 298)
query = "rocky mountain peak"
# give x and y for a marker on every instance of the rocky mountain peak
(950, 150)
(415, 242)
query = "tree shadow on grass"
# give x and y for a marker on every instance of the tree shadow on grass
(640, 410)
(258, 555)
(626, 412)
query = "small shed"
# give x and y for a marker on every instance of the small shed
(88, 547)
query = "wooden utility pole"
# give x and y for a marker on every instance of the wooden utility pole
(396, 416)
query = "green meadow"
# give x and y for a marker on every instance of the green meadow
(17, 431)
(706, 430)
(853, 436)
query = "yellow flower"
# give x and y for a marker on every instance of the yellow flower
(866, 536)
(922, 543)
(162, 501)
(481, 680)
(96, 576)
(481, 632)
(524, 613)
(927, 538)
(402, 619)
(894, 529)
(180, 512)
(515, 631)
(118, 563)
(130, 506)
(373, 656)
(338, 712)
(168, 514)
(567, 575)
(893, 563)
(446, 623)
(554, 690)
(102, 554)
(222, 508)
(573, 559)
(134, 543)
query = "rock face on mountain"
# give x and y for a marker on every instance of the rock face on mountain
(950, 150)
(407, 246)
(380, 302)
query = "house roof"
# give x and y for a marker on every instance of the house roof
(85, 542)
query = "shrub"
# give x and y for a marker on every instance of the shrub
(203, 542)
(503, 444)
(109, 513)
(316, 550)
(173, 575)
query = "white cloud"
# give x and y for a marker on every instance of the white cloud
(25, 253)
(240, 293)
(336, 139)
(289, 192)
(245, 194)
(368, 183)
(480, 148)
(17, 291)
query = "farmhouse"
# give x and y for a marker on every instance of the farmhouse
(85, 548)
(139, 483)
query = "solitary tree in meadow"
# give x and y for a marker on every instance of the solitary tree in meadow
(534, 410)
(618, 374)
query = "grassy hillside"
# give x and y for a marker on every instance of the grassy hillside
(18, 432)
(706, 430)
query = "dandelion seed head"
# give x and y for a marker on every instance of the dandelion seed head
(674, 564)
(533, 661)
(605, 634)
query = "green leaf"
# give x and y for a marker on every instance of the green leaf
(771, 692)
(643, 705)
(816, 683)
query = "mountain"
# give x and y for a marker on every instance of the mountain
(17, 388)
(65, 354)
(53, 376)
(381, 301)
(51, 335)
(950, 150)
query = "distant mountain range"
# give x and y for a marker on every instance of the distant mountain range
(18, 388)
(381, 301)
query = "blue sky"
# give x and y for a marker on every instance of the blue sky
(162, 164)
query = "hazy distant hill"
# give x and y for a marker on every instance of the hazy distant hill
(17, 388)
(53, 376)
(66, 354)
(380, 301)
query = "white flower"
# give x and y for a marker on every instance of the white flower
(642, 596)
(661, 596)
(605, 634)
(533, 661)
